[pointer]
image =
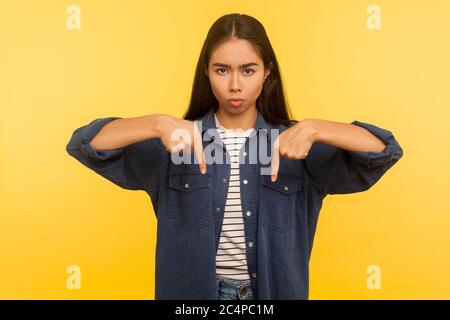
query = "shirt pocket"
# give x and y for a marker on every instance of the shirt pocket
(280, 201)
(189, 200)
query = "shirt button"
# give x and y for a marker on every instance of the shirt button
(249, 213)
(186, 185)
(250, 244)
(254, 275)
(218, 209)
(245, 153)
(224, 179)
(286, 188)
(245, 181)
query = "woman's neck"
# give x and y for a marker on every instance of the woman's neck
(239, 122)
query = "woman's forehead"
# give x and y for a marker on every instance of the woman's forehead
(235, 52)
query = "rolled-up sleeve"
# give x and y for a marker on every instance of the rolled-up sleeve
(134, 167)
(334, 170)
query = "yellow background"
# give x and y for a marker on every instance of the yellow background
(135, 58)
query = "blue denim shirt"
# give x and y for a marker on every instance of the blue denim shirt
(280, 217)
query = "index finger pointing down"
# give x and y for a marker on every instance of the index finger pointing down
(275, 161)
(198, 149)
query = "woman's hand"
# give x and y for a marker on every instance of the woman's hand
(179, 134)
(293, 143)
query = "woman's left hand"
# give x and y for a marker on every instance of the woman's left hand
(293, 143)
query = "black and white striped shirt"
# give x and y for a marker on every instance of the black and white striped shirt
(231, 257)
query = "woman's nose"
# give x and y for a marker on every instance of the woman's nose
(235, 82)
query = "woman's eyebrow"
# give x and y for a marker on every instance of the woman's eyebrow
(218, 64)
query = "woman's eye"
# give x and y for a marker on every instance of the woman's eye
(247, 71)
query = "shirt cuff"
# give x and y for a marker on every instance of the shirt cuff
(392, 149)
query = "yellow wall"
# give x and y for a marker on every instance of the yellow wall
(139, 58)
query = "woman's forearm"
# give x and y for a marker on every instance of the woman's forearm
(346, 136)
(120, 133)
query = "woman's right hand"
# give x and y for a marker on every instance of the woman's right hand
(179, 134)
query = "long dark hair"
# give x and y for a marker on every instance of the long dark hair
(271, 103)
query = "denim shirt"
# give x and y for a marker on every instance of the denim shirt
(280, 217)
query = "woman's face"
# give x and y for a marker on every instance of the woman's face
(235, 70)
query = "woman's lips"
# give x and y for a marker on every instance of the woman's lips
(235, 102)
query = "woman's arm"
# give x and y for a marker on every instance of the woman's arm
(345, 159)
(339, 157)
(347, 136)
(130, 151)
(122, 132)
(127, 152)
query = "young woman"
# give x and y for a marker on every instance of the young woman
(234, 228)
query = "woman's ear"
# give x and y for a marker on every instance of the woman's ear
(206, 70)
(268, 71)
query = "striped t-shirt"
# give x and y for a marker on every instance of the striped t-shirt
(231, 257)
